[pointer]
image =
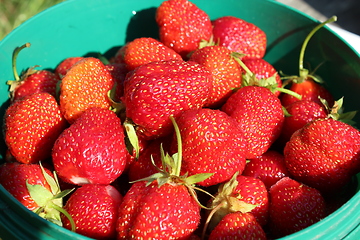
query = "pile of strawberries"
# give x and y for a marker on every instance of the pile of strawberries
(189, 136)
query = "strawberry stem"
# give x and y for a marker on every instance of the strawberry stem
(287, 91)
(307, 39)
(179, 145)
(14, 57)
(237, 56)
(67, 215)
(211, 214)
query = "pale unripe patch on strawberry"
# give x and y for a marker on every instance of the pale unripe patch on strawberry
(79, 180)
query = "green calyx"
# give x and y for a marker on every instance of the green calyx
(132, 138)
(225, 202)
(170, 173)
(205, 43)
(249, 79)
(50, 202)
(117, 107)
(336, 112)
(228, 201)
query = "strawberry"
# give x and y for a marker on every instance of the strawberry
(156, 90)
(35, 187)
(85, 85)
(92, 149)
(31, 126)
(238, 225)
(64, 66)
(324, 154)
(118, 58)
(240, 194)
(13, 177)
(307, 84)
(260, 116)
(94, 210)
(269, 168)
(239, 36)
(253, 191)
(293, 207)
(182, 25)
(204, 130)
(32, 81)
(226, 73)
(145, 50)
(153, 212)
(162, 206)
(300, 113)
(309, 90)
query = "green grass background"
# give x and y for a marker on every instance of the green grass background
(15, 12)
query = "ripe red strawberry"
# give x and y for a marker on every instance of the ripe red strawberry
(35, 187)
(85, 85)
(13, 177)
(31, 126)
(157, 212)
(241, 194)
(119, 56)
(293, 207)
(94, 210)
(34, 81)
(211, 140)
(260, 116)
(300, 113)
(226, 73)
(31, 81)
(239, 36)
(164, 207)
(269, 168)
(182, 25)
(92, 149)
(156, 90)
(309, 90)
(238, 225)
(64, 66)
(324, 154)
(145, 50)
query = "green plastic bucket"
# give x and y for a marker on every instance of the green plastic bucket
(87, 27)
